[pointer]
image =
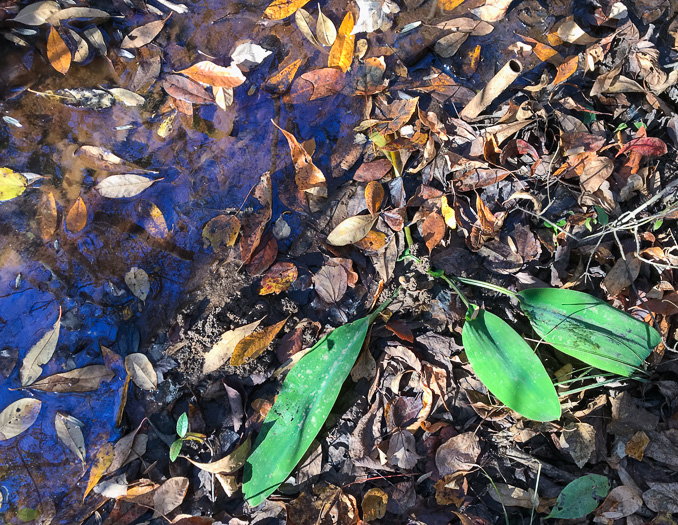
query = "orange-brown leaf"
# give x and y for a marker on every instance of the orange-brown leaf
(341, 54)
(372, 242)
(471, 61)
(566, 69)
(433, 230)
(374, 194)
(308, 177)
(47, 216)
(214, 75)
(280, 82)
(253, 345)
(278, 278)
(76, 219)
(57, 52)
(280, 9)
(486, 218)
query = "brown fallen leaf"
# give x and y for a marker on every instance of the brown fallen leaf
(433, 230)
(85, 379)
(18, 417)
(253, 345)
(143, 35)
(566, 69)
(331, 283)
(280, 9)
(170, 495)
(372, 242)
(596, 171)
(228, 464)
(372, 171)
(579, 441)
(69, 431)
(57, 52)
(351, 230)
(47, 216)
(186, 89)
(458, 453)
(635, 447)
(278, 278)
(221, 232)
(374, 195)
(141, 371)
(402, 450)
(40, 354)
(264, 256)
(374, 504)
(76, 219)
(308, 177)
(281, 81)
(622, 274)
(214, 75)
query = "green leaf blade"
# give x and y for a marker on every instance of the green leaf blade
(509, 368)
(580, 497)
(182, 425)
(589, 329)
(303, 404)
(175, 449)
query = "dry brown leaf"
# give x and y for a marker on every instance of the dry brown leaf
(214, 75)
(372, 242)
(141, 371)
(458, 453)
(18, 417)
(566, 69)
(280, 9)
(374, 195)
(635, 447)
(76, 219)
(186, 89)
(325, 30)
(143, 35)
(308, 177)
(47, 216)
(170, 495)
(85, 379)
(253, 345)
(331, 283)
(69, 431)
(280, 82)
(596, 171)
(341, 54)
(579, 441)
(223, 348)
(433, 230)
(229, 464)
(570, 32)
(57, 52)
(622, 274)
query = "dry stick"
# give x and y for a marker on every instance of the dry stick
(495, 87)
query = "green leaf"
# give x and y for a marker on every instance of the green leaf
(657, 224)
(603, 217)
(175, 449)
(303, 404)
(580, 497)
(589, 329)
(508, 367)
(182, 425)
(27, 514)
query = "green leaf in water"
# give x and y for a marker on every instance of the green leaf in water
(589, 329)
(27, 514)
(182, 425)
(508, 367)
(303, 404)
(175, 449)
(580, 497)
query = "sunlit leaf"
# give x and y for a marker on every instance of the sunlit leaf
(76, 219)
(566, 69)
(280, 82)
(153, 220)
(85, 379)
(127, 98)
(40, 354)
(433, 230)
(69, 431)
(214, 75)
(251, 346)
(299, 412)
(325, 29)
(279, 9)
(374, 194)
(341, 54)
(18, 417)
(645, 146)
(249, 53)
(79, 13)
(580, 497)
(229, 464)
(351, 230)
(57, 52)
(448, 213)
(37, 13)
(278, 278)
(304, 21)
(12, 184)
(508, 367)
(170, 495)
(143, 35)
(123, 186)
(222, 350)
(102, 460)
(141, 371)
(47, 216)
(308, 177)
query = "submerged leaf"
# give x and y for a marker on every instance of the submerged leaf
(509, 368)
(18, 417)
(122, 186)
(69, 431)
(76, 219)
(12, 184)
(40, 354)
(85, 379)
(589, 329)
(279, 9)
(341, 54)
(299, 411)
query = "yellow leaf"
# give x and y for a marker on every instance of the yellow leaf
(12, 184)
(341, 54)
(253, 345)
(448, 213)
(57, 51)
(279, 9)
(449, 5)
(77, 216)
(102, 461)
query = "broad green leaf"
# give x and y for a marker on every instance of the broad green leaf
(175, 449)
(303, 404)
(580, 497)
(589, 329)
(508, 367)
(12, 184)
(182, 425)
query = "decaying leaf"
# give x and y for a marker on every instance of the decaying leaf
(374, 504)
(102, 460)
(18, 417)
(69, 431)
(278, 278)
(308, 177)
(280, 9)
(222, 350)
(221, 232)
(47, 216)
(186, 89)
(85, 379)
(137, 280)
(123, 186)
(251, 346)
(170, 495)
(40, 354)
(76, 219)
(622, 275)
(141, 371)
(143, 35)
(433, 230)
(331, 283)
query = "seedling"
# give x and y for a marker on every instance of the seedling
(184, 435)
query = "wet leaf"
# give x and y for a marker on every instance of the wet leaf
(492, 11)
(143, 35)
(280, 82)
(12, 184)
(433, 230)
(280, 9)
(214, 75)
(76, 219)
(223, 349)
(102, 460)
(331, 283)
(57, 52)
(229, 464)
(316, 84)
(97, 158)
(127, 98)
(137, 280)
(153, 220)
(80, 13)
(96, 38)
(589, 329)
(85, 379)
(374, 504)
(374, 195)
(325, 29)
(351, 230)
(170, 495)
(69, 431)
(40, 354)
(18, 417)
(566, 69)
(308, 177)
(264, 256)
(278, 278)
(37, 13)
(123, 186)
(141, 371)
(221, 232)
(341, 54)
(253, 345)
(299, 412)
(645, 146)
(185, 89)
(509, 368)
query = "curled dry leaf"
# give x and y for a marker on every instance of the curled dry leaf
(76, 219)
(325, 29)
(433, 230)
(40, 354)
(85, 379)
(229, 464)
(341, 54)
(351, 230)
(57, 52)
(223, 348)
(137, 280)
(374, 195)
(141, 371)
(278, 278)
(308, 177)
(69, 431)
(18, 417)
(253, 345)
(214, 75)
(123, 186)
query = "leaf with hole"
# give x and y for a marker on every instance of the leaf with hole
(18, 417)
(508, 367)
(299, 412)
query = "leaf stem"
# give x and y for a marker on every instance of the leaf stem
(488, 286)
(440, 275)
